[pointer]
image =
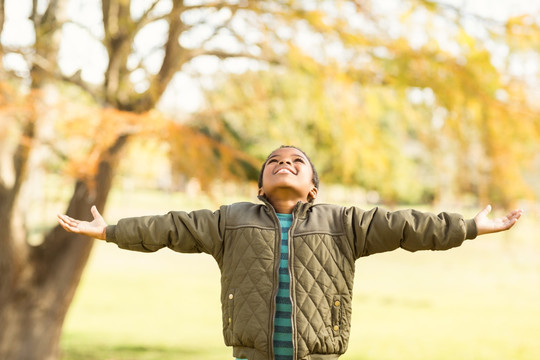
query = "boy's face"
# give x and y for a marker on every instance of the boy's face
(288, 175)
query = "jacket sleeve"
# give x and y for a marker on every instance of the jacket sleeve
(379, 230)
(194, 232)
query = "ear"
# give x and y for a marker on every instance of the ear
(313, 194)
(260, 192)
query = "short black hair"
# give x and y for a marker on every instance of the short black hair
(314, 179)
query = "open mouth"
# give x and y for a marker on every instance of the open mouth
(284, 171)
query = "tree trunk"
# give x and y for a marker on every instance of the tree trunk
(38, 288)
(37, 283)
(35, 309)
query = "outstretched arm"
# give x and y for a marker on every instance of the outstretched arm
(95, 228)
(487, 226)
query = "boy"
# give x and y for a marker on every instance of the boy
(287, 265)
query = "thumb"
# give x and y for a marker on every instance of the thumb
(485, 211)
(95, 212)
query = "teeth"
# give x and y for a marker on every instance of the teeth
(283, 171)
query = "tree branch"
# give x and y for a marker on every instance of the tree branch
(87, 30)
(172, 61)
(105, 10)
(2, 21)
(226, 55)
(34, 13)
(22, 154)
(75, 79)
(118, 39)
(51, 12)
(218, 5)
(146, 18)
(429, 4)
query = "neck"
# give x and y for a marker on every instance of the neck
(284, 202)
(284, 206)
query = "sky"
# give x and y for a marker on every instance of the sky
(80, 50)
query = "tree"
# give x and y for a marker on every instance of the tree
(339, 39)
(28, 273)
(411, 120)
(37, 282)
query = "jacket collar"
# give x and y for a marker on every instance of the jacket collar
(300, 210)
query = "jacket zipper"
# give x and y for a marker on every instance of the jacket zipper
(291, 287)
(277, 244)
(277, 254)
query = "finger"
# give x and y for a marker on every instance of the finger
(484, 212)
(509, 222)
(69, 220)
(62, 219)
(512, 217)
(67, 226)
(516, 214)
(95, 212)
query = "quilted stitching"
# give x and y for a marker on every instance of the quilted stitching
(248, 262)
(322, 269)
(319, 275)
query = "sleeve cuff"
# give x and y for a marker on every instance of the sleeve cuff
(110, 233)
(471, 230)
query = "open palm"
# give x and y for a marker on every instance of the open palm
(485, 225)
(95, 228)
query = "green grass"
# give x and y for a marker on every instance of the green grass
(479, 301)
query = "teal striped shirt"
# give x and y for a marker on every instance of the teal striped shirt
(283, 345)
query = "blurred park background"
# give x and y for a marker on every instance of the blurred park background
(146, 106)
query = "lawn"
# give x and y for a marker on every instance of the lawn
(479, 301)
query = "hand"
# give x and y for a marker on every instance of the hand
(95, 228)
(486, 226)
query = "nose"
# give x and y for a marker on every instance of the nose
(285, 161)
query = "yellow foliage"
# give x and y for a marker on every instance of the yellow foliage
(197, 155)
(87, 132)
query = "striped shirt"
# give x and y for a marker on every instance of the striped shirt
(283, 346)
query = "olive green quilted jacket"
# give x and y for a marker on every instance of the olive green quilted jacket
(325, 241)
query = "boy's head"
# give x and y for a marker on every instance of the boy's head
(288, 173)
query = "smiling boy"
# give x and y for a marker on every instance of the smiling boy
(287, 264)
(287, 178)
